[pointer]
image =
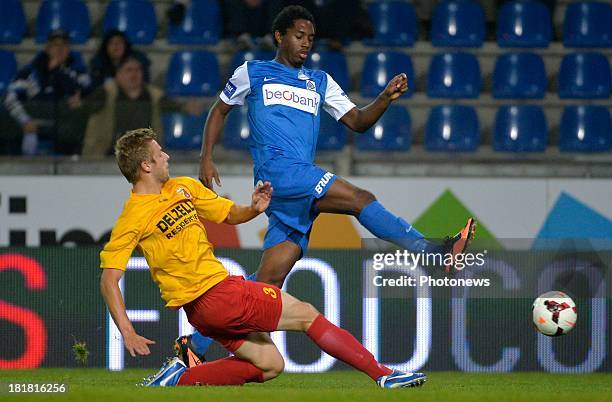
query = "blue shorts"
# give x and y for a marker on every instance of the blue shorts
(297, 185)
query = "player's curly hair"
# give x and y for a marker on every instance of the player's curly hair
(131, 149)
(287, 16)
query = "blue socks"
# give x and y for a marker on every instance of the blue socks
(201, 342)
(386, 226)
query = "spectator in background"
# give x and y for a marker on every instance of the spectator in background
(126, 103)
(115, 46)
(176, 12)
(43, 96)
(248, 21)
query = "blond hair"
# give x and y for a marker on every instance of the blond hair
(131, 149)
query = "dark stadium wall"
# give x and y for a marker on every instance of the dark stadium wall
(49, 299)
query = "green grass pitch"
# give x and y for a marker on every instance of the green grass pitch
(88, 385)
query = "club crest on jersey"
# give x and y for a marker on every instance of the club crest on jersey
(310, 84)
(183, 191)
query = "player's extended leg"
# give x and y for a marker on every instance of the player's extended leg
(256, 360)
(346, 198)
(339, 343)
(277, 261)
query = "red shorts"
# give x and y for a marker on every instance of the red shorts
(234, 308)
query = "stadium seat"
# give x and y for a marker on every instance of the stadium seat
(584, 75)
(193, 73)
(8, 69)
(520, 129)
(332, 134)
(379, 68)
(588, 24)
(394, 23)
(183, 132)
(391, 133)
(12, 22)
(585, 129)
(236, 132)
(458, 23)
(454, 75)
(333, 63)
(524, 24)
(240, 57)
(201, 25)
(519, 75)
(72, 16)
(452, 129)
(134, 17)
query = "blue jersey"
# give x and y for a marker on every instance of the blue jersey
(284, 106)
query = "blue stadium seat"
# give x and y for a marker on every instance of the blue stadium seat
(524, 24)
(183, 132)
(588, 24)
(379, 68)
(394, 23)
(12, 22)
(240, 57)
(391, 133)
(458, 23)
(452, 129)
(454, 75)
(585, 129)
(333, 63)
(520, 129)
(72, 16)
(8, 69)
(193, 73)
(134, 17)
(237, 131)
(584, 75)
(201, 25)
(519, 75)
(332, 134)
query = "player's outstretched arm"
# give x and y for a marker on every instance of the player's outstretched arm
(212, 130)
(361, 119)
(109, 286)
(259, 203)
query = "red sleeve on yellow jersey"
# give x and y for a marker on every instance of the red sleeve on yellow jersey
(208, 204)
(124, 238)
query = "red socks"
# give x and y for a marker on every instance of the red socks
(334, 341)
(342, 345)
(228, 371)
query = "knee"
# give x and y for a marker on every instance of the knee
(362, 199)
(274, 366)
(275, 278)
(309, 314)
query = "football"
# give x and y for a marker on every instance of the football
(554, 313)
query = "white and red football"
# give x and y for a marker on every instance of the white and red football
(554, 313)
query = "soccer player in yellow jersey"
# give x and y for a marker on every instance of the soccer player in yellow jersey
(162, 219)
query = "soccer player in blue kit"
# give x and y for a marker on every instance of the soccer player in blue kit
(284, 104)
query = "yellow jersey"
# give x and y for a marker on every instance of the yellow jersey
(166, 227)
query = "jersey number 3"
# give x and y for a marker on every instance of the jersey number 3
(270, 292)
